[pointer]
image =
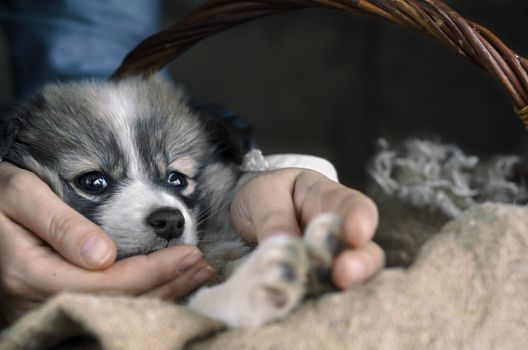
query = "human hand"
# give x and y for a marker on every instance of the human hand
(46, 247)
(285, 200)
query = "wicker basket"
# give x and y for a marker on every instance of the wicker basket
(471, 40)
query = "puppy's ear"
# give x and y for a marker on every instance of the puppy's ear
(229, 134)
(9, 126)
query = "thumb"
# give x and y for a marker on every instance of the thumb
(264, 206)
(31, 203)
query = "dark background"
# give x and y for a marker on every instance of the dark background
(326, 83)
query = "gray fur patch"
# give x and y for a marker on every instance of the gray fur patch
(135, 132)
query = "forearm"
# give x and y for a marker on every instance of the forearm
(68, 39)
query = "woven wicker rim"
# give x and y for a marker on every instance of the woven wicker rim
(433, 17)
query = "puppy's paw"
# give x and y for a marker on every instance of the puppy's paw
(324, 240)
(266, 286)
(282, 264)
(276, 278)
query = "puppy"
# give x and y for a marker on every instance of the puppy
(154, 170)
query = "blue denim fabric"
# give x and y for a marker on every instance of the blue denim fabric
(53, 40)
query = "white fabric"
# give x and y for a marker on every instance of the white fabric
(256, 161)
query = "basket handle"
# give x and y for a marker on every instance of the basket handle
(433, 17)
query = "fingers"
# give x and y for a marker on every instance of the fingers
(31, 203)
(353, 267)
(360, 218)
(183, 284)
(264, 207)
(133, 276)
(33, 272)
(315, 194)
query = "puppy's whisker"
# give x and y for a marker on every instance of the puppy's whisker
(208, 214)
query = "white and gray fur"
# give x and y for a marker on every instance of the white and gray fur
(154, 169)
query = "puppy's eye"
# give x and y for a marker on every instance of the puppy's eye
(93, 182)
(177, 180)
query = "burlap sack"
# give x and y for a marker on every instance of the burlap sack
(467, 290)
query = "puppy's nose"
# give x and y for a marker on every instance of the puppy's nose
(168, 223)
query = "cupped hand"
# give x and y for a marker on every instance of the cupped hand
(285, 200)
(46, 247)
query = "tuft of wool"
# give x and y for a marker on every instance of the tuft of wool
(441, 176)
(421, 185)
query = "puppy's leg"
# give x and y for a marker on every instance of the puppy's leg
(266, 286)
(324, 240)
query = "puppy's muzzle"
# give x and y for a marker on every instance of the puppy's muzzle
(168, 223)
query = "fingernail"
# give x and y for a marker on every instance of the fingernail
(95, 251)
(357, 271)
(190, 260)
(202, 276)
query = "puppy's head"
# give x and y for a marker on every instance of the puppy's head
(133, 156)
